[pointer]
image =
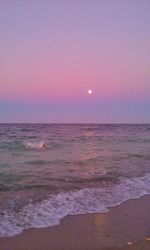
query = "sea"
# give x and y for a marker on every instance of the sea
(50, 171)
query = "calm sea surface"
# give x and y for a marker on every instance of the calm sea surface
(85, 168)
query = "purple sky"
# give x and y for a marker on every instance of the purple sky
(52, 52)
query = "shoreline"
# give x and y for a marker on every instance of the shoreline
(125, 226)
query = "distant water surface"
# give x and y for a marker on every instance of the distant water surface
(85, 168)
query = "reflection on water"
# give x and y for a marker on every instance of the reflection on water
(85, 168)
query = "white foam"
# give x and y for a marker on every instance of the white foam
(50, 212)
(34, 145)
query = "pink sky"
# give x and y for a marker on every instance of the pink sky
(53, 52)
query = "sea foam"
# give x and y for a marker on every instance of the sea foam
(88, 200)
(34, 145)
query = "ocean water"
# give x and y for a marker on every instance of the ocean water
(85, 168)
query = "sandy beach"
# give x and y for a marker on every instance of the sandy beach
(75, 125)
(125, 226)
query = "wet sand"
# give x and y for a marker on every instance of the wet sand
(126, 226)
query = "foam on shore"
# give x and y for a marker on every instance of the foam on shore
(88, 200)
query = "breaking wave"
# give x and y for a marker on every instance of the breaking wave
(49, 212)
(34, 145)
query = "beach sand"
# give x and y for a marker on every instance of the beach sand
(126, 226)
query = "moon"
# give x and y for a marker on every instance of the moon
(89, 91)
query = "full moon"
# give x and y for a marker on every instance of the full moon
(89, 91)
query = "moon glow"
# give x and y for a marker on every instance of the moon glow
(89, 91)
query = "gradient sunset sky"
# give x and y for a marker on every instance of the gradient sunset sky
(53, 51)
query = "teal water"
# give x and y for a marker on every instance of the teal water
(84, 168)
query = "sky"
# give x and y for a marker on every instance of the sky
(53, 51)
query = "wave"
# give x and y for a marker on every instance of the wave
(34, 145)
(38, 162)
(49, 212)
